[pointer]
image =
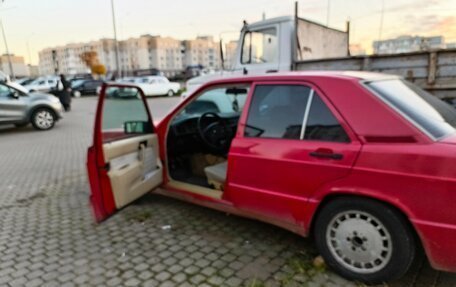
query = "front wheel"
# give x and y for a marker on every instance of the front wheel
(170, 93)
(43, 119)
(365, 240)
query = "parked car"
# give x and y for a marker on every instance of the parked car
(24, 81)
(157, 86)
(20, 108)
(43, 84)
(361, 162)
(85, 87)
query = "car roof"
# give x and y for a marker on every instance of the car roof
(300, 75)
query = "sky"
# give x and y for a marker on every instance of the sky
(38, 24)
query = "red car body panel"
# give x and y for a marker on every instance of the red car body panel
(275, 180)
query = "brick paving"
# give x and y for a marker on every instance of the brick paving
(48, 236)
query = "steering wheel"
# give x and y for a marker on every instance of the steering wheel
(216, 134)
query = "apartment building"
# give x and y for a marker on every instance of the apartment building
(202, 51)
(20, 69)
(136, 55)
(230, 53)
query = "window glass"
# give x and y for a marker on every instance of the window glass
(428, 112)
(218, 100)
(260, 46)
(5, 91)
(123, 106)
(322, 125)
(277, 111)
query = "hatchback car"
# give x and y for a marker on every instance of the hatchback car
(20, 108)
(83, 87)
(361, 162)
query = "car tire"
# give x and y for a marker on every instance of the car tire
(77, 94)
(170, 93)
(43, 119)
(365, 240)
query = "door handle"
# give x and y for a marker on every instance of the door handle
(329, 154)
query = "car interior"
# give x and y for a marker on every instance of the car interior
(200, 136)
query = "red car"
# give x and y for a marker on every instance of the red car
(362, 162)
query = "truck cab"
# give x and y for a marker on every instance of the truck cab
(277, 44)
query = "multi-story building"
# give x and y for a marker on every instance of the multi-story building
(405, 44)
(136, 55)
(202, 51)
(18, 63)
(230, 53)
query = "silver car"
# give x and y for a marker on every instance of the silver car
(20, 108)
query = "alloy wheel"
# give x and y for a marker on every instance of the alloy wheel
(359, 241)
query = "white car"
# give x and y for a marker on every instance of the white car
(42, 84)
(157, 86)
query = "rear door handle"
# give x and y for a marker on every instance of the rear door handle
(326, 154)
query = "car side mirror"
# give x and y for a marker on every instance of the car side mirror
(137, 127)
(14, 95)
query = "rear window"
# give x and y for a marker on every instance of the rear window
(429, 113)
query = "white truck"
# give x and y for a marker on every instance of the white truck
(278, 44)
(291, 43)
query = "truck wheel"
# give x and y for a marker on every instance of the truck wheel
(43, 119)
(170, 93)
(364, 240)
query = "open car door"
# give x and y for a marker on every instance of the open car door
(123, 163)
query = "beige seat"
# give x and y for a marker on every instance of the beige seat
(216, 174)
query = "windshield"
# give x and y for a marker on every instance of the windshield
(430, 114)
(76, 83)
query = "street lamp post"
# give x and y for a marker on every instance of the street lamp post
(10, 64)
(116, 43)
(328, 9)
(27, 43)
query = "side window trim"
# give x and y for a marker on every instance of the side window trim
(306, 114)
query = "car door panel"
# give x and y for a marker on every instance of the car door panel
(134, 167)
(12, 109)
(277, 176)
(122, 165)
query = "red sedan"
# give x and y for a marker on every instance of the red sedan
(362, 162)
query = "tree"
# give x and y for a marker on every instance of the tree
(90, 58)
(98, 69)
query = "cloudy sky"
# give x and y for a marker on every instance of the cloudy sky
(47, 23)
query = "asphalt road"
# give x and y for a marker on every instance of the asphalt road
(48, 236)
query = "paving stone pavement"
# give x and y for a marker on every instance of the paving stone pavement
(48, 236)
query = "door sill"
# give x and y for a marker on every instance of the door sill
(191, 188)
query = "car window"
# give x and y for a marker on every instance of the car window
(121, 105)
(277, 111)
(5, 91)
(218, 100)
(322, 125)
(429, 113)
(260, 46)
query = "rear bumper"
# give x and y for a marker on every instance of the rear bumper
(439, 242)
